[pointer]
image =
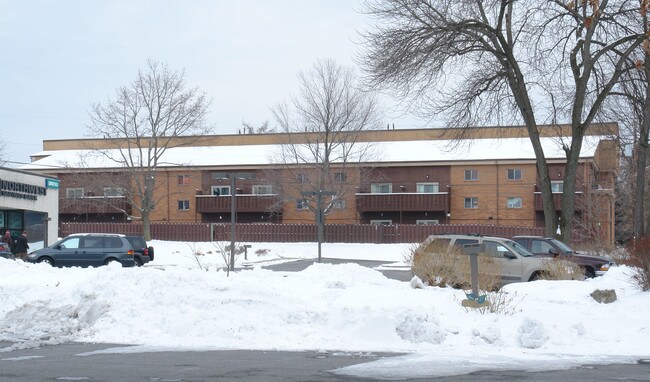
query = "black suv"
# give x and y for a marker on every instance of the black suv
(143, 253)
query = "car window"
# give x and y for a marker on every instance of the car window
(540, 246)
(520, 249)
(91, 242)
(71, 243)
(562, 246)
(137, 242)
(113, 242)
(493, 248)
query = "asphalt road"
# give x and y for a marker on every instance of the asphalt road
(401, 274)
(70, 362)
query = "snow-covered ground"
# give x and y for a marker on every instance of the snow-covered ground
(182, 301)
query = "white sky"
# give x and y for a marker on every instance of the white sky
(60, 57)
(334, 308)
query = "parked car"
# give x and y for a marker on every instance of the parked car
(143, 253)
(551, 247)
(5, 251)
(516, 262)
(86, 250)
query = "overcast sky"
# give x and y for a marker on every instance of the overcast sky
(59, 57)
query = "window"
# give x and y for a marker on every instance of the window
(262, 189)
(92, 242)
(381, 188)
(471, 174)
(302, 204)
(113, 242)
(471, 202)
(494, 249)
(426, 222)
(72, 193)
(540, 246)
(71, 243)
(381, 222)
(426, 188)
(183, 205)
(302, 178)
(557, 186)
(514, 202)
(514, 174)
(338, 204)
(183, 180)
(113, 191)
(220, 190)
(340, 177)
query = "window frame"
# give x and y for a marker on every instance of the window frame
(509, 199)
(183, 205)
(381, 222)
(257, 187)
(184, 180)
(212, 188)
(75, 191)
(515, 171)
(427, 221)
(340, 177)
(471, 173)
(374, 186)
(420, 186)
(559, 183)
(473, 202)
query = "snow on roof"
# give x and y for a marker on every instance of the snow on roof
(388, 152)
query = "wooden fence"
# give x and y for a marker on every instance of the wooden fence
(288, 233)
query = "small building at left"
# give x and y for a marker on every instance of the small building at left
(29, 202)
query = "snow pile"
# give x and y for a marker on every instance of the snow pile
(181, 303)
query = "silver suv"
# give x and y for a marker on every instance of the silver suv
(517, 264)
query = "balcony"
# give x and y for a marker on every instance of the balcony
(94, 205)
(438, 201)
(245, 203)
(557, 199)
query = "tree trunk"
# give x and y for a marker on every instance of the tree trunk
(568, 194)
(642, 158)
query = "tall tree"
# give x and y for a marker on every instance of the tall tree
(332, 112)
(485, 62)
(142, 122)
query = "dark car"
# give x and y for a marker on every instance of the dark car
(143, 253)
(548, 246)
(86, 250)
(6, 252)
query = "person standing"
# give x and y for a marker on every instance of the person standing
(22, 246)
(6, 238)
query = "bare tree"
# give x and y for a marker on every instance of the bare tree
(3, 153)
(331, 112)
(142, 122)
(479, 62)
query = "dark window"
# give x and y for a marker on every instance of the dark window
(183, 205)
(340, 177)
(471, 174)
(514, 174)
(184, 180)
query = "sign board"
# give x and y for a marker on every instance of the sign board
(52, 183)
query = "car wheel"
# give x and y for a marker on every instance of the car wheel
(590, 274)
(138, 262)
(110, 261)
(46, 260)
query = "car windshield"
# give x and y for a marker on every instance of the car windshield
(521, 250)
(565, 248)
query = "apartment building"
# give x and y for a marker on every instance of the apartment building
(419, 176)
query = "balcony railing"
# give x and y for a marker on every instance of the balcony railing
(438, 201)
(557, 199)
(94, 205)
(245, 203)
